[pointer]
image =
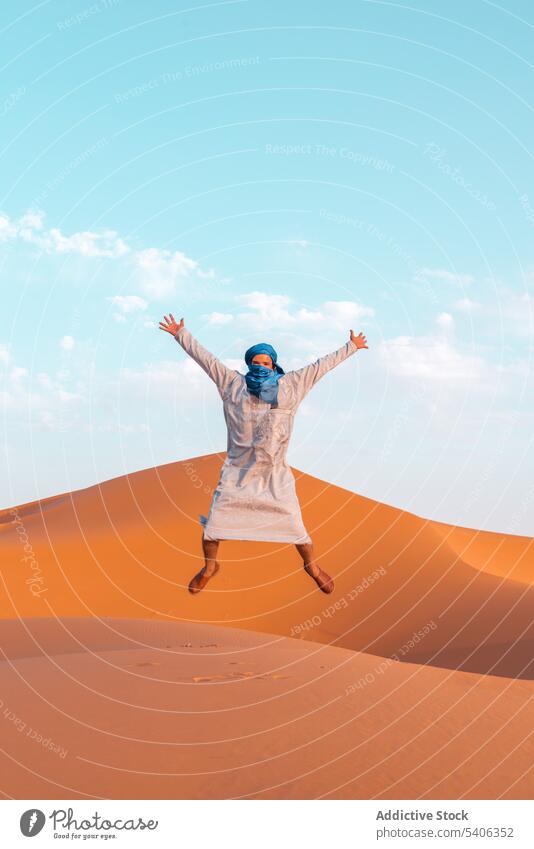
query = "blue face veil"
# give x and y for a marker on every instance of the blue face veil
(263, 381)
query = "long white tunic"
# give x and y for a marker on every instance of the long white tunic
(255, 498)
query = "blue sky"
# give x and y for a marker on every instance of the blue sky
(272, 172)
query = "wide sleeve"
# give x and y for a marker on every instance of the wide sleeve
(303, 379)
(221, 375)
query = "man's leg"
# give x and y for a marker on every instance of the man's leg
(323, 581)
(305, 549)
(210, 548)
(211, 567)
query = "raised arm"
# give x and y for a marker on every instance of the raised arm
(303, 379)
(221, 375)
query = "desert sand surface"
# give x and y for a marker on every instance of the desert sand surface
(414, 679)
(506, 555)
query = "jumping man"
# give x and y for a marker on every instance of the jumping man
(255, 498)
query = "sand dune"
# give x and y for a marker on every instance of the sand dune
(129, 546)
(168, 710)
(506, 555)
(260, 686)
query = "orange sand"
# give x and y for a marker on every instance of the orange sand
(260, 686)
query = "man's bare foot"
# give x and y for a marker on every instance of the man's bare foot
(323, 581)
(201, 579)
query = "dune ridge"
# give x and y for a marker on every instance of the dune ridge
(412, 680)
(128, 547)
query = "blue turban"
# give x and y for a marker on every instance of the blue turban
(263, 381)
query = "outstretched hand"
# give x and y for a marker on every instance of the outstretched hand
(358, 340)
(170, 324)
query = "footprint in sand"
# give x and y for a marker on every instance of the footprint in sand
(200, 678)
(234, 675)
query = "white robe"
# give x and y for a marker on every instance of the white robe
(255, 498)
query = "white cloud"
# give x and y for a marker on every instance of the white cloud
(30, 228)
(445, 321)
(42, 400)
(120, 401)
(89, 244)
(17, 372)
(436, 359)
(64, 395)
(164, 380)
(270, 311)
(342, 311)
(29, 222)
(236, 364)
(466, 305)
(161, 273)
(517, 311)
(7, 229)
(218, 318)
(67, 343)
(509, 313)
(44, 380)
(128, 303)
(447, 276)
(116, 427)
(305, 332)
